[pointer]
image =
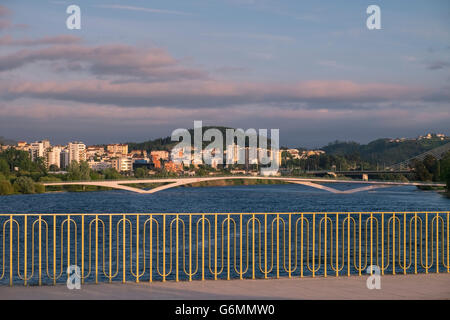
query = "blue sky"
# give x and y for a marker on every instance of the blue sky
(310, 68)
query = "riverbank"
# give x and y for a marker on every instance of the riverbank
(399, 287)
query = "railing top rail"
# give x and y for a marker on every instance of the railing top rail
(223, 213)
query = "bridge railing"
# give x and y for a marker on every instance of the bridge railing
(39, 248)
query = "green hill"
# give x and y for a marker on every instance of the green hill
(386, 151)
(167, 144)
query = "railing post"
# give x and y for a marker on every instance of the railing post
(228, 247)
(415, 243)
(393, 243)
(278, 246)
(151, 249)
(54, 249)
(426, 242)
(437, 242)
(123, 249)
(382, 243)
(176, 248)
(110, 248)
(96, 249)
(203, 247)
(25, 251)
(253, 246)
(215, 247)
(448, 243)
(359, 245)
(325, 238)
(164, 248)
(11, 251)
(240, 247)
(190, 247)
(314, 245)
(337, 244)
(289, 245)
(371, 242)
(82, 248)
(404, 243)
(40, 250)
(68, 242)
(265, 246)
(137, 248)
(348, 245)
(301, 245)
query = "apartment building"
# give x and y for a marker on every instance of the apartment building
(117, 150)
(122, 164)
(54, 156)
(77, 151)
(38, 149)
(160, 154)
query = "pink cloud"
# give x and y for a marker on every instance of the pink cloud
(208, 93)
(62, 39)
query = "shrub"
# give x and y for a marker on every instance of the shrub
(24, 185)
(39, 188)
(6, 188)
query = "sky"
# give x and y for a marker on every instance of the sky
(137, 70)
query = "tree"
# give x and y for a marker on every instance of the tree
(421, 172)
(85, 171)
(53, 167)
(445, 170)
(73, 171)
(140, 173)
(111, 174)
(4, 167)
(24, 185)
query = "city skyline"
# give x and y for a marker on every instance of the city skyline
(138, 71)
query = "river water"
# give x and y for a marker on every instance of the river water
(256, 198)
(229, 199)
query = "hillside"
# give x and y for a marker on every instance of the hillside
(384, 150)
(167, 144)
(4, 141)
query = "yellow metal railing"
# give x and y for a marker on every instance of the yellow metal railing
(38, 248)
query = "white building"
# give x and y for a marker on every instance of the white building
(38, 149)
(123, 164)
(54, 156)
(77, 151)
(99, 166)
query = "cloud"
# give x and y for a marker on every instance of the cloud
(62, 39)
(208, 93)
(255, 36)
(5, 24)
(141, 9)
(119, 60)
(437, 65)
(4, 11)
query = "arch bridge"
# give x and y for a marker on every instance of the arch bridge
(176, 182)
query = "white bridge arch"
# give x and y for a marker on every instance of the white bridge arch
(176, 182)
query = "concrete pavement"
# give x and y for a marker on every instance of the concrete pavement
(421, 286)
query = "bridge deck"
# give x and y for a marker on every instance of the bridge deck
(175, 182)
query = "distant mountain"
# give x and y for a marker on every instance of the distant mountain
(386, 151)
(4, 141)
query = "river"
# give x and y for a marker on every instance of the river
(256, 198)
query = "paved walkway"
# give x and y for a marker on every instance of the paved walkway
(422, 286)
